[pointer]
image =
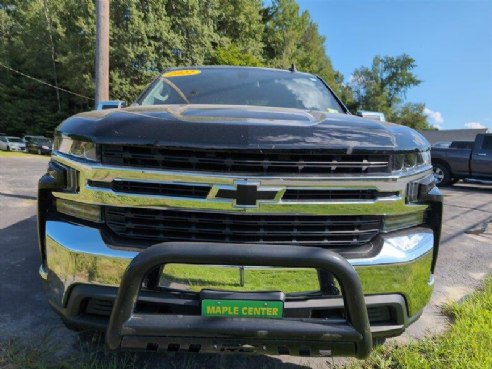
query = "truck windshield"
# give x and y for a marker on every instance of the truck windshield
(241, 86)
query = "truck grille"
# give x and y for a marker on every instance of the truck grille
(155, 225)
(264, 162)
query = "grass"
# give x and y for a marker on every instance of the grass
(197, 278)
(467, 344)
(15, 354)
(17, 154)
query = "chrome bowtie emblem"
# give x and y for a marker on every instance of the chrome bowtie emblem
(248, 194)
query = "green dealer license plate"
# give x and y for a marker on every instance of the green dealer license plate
(243, 308)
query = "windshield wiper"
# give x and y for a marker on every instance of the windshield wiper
(176, 89)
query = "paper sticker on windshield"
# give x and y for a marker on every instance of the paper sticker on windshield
(182, 73)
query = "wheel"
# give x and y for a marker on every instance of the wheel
(8, 148)
(442, 174)
(39, 152)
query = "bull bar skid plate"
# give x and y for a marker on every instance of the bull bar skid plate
(135, 331)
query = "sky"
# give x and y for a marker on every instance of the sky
(450, 40)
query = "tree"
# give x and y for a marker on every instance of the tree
(239, 30)
(239, 23)
(232, 55)
(293, 38)
(411, 115)
(27, 45)
(383, 87)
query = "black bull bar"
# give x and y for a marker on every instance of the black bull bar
(128, 329)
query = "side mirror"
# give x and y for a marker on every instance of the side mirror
(111, 104)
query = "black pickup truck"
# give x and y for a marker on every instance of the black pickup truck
(455, 163)
(238, 209)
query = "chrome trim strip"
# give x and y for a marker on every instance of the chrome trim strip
(212, 195)
(111, 198)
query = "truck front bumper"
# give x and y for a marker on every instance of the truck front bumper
(81, 270)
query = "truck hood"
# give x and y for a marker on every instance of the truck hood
(241, 127)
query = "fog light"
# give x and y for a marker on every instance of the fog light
(407, 242)
(79, 210)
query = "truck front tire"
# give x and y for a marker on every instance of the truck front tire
(442, 174)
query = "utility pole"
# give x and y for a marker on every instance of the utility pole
(102, 50)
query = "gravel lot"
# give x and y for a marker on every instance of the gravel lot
(465, 259)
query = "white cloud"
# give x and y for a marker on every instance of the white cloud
(435, 117)
(474, 125)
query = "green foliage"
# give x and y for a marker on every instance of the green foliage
(383, 88)
(240, 22)
(232, 55)
(293, 38)
(411, 115)
(54, 41)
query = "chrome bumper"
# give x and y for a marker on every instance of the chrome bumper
(77, 254)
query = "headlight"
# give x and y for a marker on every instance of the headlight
(80, 149)
(45, 147)
(411, 160)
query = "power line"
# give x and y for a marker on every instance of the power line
(43, 82)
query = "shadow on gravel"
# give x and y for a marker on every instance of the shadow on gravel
(20, 285)
(469, 188)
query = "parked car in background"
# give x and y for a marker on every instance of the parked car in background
(11, 143)
(39, 145)
(28, 138)
(463, 160)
